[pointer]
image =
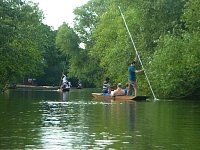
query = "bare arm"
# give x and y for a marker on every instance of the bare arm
(139, 71)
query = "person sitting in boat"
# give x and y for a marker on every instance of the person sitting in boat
(79, 85)
(119, 91)
(106, 86)
(126, 89)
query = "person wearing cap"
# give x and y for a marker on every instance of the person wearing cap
(119, 91)
(132, 78)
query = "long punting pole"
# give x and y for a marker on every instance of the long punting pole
(137, 53)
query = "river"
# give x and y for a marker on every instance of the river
(47, 119)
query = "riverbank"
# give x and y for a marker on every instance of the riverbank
(36, 87)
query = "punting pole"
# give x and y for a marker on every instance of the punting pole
(137, 53)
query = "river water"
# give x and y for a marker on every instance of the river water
(47, 119)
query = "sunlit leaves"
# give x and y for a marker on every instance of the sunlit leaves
(67, 40)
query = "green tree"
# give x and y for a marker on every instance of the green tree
(157, 28)
(175, 66)
(191, 15)
(19, 53)
(67, 40)
(176, 61)
(52, 58)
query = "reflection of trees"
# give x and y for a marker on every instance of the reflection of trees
(19, 124)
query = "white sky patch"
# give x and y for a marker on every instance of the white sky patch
(58, 11)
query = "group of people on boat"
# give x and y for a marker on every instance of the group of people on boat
(65, 86)
(130, 85)
(107, 89)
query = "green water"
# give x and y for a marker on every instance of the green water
(50, 120)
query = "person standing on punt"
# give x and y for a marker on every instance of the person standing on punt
(132, 78)
(65, 83)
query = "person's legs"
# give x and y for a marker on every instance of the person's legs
(135, 86)
(130, 88)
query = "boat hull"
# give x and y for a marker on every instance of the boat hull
(65, 90)
(125, 97)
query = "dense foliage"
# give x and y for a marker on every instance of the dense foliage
(27, 46)
(166, 34)
(19, 54)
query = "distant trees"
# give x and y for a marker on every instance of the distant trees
(79, 65)
(19, 46)
(26, 44)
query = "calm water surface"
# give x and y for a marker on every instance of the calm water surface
(50, 120)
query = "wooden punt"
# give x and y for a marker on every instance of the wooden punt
(125, 97)
(65, 89)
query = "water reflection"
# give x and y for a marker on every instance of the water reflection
(73, 120)
(65, 96)
(87, 125)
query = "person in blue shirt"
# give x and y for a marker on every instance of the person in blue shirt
(126, 89)
(106, 86)
(132, 78)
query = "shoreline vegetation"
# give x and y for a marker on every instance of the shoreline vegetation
(32, 87)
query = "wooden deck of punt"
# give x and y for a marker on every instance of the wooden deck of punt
(125, 97)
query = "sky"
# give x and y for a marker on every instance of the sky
(58, 11)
